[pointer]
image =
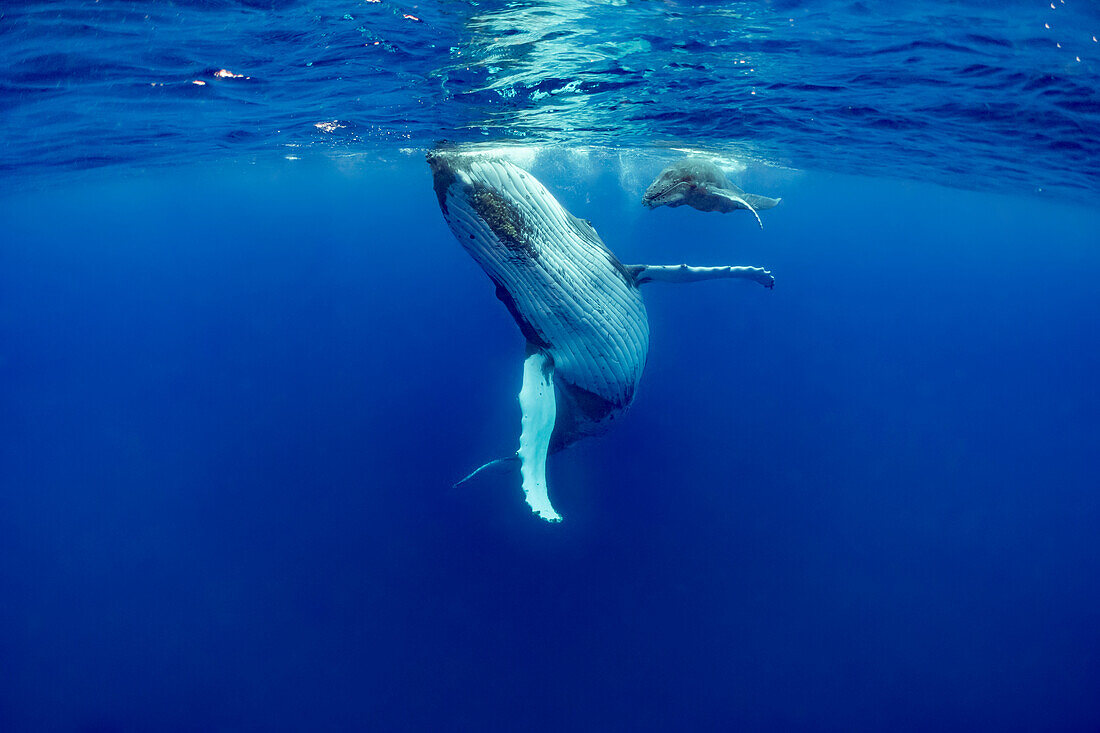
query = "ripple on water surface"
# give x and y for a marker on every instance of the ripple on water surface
(1003, 96)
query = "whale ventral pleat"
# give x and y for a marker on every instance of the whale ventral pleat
(584, 229)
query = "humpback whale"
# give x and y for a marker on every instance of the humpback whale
(699, 183)
(577, 305)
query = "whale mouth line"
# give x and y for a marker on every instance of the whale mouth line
(648, 199)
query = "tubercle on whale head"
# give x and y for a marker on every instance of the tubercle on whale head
(491, 204)
(668, 190)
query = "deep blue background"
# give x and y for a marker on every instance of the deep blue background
(233, 400)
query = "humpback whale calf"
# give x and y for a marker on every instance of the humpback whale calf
(699, 183)
(579, 308)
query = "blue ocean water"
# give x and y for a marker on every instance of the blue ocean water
(243, 360)
(995, 96)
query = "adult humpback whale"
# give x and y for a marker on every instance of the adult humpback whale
(578, 306)
(700, 184)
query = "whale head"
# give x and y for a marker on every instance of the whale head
(679, 183)
(671, 187)
(490, 187)
(684, 181)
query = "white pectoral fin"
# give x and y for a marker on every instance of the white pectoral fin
(688, 274)
(536, 400)
(760, 202)
(740, 201)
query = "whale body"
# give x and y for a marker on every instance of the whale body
(701, 184)
(577, 305)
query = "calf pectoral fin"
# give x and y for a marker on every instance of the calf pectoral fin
(760, 202)
(536, 400)
(738, 200)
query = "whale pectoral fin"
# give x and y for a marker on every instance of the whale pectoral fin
(739, 201)
(760, 202)
(687, 274)
(537, 401)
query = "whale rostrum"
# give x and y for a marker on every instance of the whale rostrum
(701, 184)
(579, 308)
